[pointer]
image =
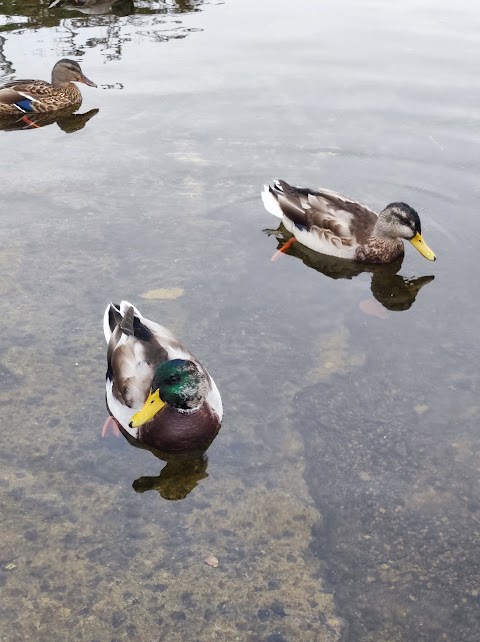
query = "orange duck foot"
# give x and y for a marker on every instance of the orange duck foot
(110, 427)
(29, 122)
(284, 247)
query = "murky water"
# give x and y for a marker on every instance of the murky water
(341, 496)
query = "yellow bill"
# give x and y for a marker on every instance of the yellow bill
(150, 408)
(420, 245)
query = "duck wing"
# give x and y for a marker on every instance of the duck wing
(22, 93)
(132, 356)
(323, 220)
(28, 85)
(10, 96)
(136, 347)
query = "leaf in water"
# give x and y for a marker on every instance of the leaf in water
(163, 293)
(420, 408)
(211, 560)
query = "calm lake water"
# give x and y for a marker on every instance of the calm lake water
(341, 496)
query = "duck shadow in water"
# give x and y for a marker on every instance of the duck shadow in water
(66, 119)
(182, 473)
(393, 291)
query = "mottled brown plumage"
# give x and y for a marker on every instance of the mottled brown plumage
(331, 224)
(41, 97)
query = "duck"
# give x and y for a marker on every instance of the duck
(329, 223)
(158, 394)
(41, 97)
(87, 7)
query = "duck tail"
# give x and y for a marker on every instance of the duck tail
(270, 198)
(125, 306)
(133, 323)
(126, 324)
(129, 319)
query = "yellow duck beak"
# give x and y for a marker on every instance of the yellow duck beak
(150, 408)
(420, 245)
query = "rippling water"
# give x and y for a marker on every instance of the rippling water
(341, 495)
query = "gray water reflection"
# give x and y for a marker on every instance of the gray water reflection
(108, 25)
(342, 491)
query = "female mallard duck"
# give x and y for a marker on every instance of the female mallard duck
(329, 223)
(157, 391)
(39, 96)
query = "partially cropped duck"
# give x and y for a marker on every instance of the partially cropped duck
(329, 223)
(41, 97)
(88, 7)
(156, 390)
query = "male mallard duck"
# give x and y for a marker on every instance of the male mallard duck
(329, 223)
(157, 391)
(39, 96)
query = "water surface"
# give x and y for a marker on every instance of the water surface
(341, 495)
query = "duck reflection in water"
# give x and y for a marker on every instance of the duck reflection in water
(66, 119)
(182, 473)
(393, 291)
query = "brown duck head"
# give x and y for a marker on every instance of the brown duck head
(66, 71)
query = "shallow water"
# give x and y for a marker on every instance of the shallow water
(341, 495)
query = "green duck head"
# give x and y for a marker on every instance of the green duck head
(178, 383)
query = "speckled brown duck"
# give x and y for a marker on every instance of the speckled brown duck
(156, 390)
(41, 97)
(329, 223)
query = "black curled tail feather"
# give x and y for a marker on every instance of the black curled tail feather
(133, 327)
(126, 324)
